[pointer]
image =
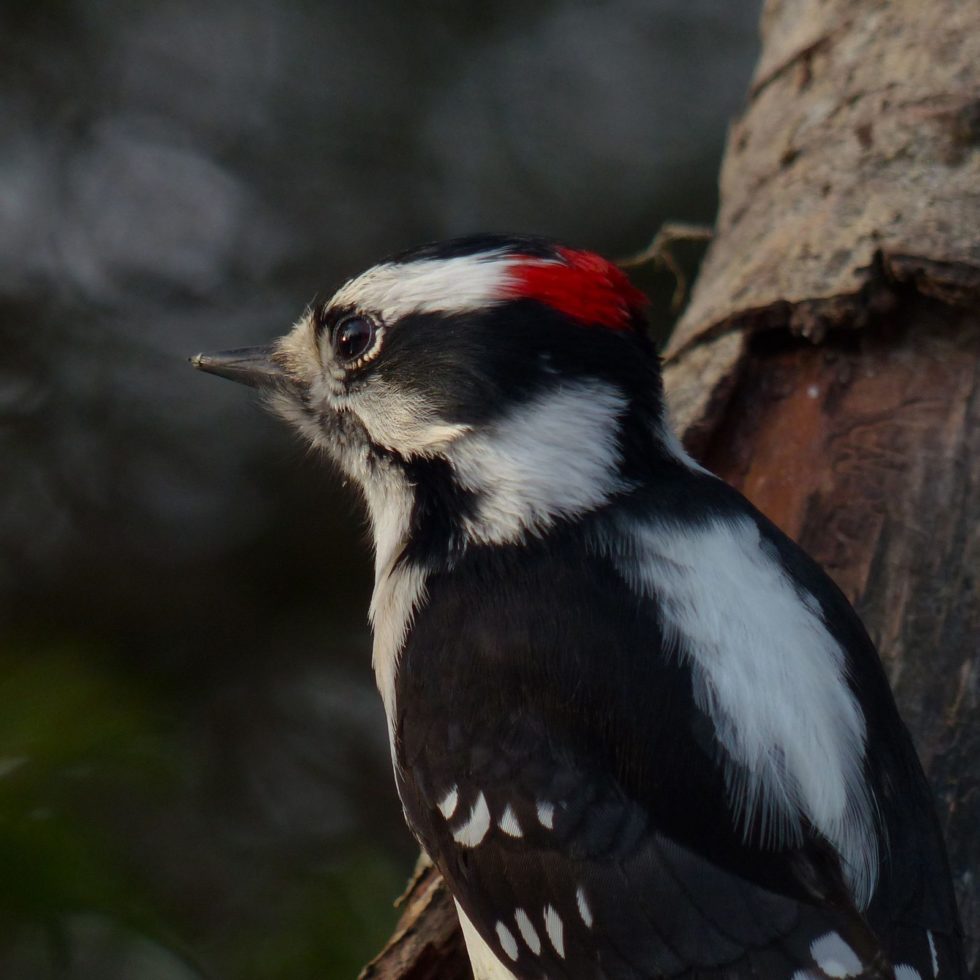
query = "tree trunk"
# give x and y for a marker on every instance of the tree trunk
(829, 367)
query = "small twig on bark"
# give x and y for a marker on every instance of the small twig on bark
(658, 252)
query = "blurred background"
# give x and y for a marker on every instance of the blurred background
(194, 776)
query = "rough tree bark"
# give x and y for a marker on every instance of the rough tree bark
(829, 366)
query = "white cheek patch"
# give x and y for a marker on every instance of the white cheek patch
(772, 679)
(401, 420)
(552, 457)
(457, 285)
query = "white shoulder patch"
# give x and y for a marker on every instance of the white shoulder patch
(456, 285)
(772, 679)
(551, 457)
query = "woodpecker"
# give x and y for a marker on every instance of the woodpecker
(639, 731)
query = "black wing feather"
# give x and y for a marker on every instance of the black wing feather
(652, 906)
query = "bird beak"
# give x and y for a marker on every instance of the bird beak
(251, 366)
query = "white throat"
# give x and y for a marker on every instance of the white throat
(552, 457)
(398, 587)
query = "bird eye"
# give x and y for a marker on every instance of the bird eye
(354, 338)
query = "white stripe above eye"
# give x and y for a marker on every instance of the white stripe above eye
(457, 285)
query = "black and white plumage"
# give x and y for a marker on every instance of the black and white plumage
(638, 730)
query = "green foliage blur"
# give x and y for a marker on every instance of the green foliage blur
(70, 736)
(82, 754)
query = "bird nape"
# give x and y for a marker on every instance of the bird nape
(639, 731)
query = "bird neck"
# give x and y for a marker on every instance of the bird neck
(550, 460)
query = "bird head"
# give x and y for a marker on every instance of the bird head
(498, 384)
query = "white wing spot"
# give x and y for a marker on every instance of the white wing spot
(447, 806)
(905, 972)
(583, 906)
(509, 824)
(555, 929)
(835, 957)
(546, 815)
(486, 962)
(528, 933)
(933, 953)
(804, 975)
(475, 829)
(507, 940)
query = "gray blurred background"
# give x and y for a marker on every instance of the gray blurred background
(193, 761)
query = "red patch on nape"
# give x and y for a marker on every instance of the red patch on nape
(582, 285)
